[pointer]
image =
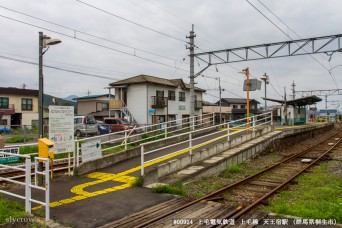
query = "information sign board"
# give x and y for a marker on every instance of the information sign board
(6, 159)
(91, 150)
(61, 128)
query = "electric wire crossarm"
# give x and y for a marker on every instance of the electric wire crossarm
(273, 50)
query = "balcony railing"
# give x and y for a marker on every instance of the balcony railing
(116, 104)
(159, 102)
(10, 106)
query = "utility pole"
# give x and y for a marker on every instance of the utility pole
(219, 79)
(285, 106)
(326, 108)
(41, 86)
(191, 47)
(293, 90)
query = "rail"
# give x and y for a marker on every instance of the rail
(239, 210)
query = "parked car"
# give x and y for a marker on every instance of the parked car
(103, 127)
(118, 124)
(85, 125)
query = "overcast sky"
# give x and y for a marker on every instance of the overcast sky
(126, 38)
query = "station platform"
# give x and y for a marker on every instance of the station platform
(106, 195)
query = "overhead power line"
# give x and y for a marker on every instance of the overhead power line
(88, 34)
(130, 21)
(292, 39)
(93, 43)
(57, 68)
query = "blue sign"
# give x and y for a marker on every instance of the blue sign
(152, 111)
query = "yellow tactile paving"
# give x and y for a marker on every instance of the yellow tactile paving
(122, 177)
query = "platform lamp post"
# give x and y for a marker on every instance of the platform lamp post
(44, 42)
(266, 81)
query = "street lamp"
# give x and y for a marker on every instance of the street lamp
(44, 42)
(266, 81)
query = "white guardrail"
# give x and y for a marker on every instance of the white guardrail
(247, 124)
(28, 183)
(124, 139)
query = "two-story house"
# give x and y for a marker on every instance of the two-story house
(148, 100)
(94, 105)
(18, 107)
(239, 107)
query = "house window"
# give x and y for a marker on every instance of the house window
(243, 106)
(159, 93)
(234, 106)
(26, 104)
(171, 95)
(181, 96)
(3, 102)
(105, 106)
(3, 122)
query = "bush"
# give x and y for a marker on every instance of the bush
(17, 139)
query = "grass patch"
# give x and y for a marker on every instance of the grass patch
(139, 181)
(234, 169)
(177, 189)
(204, 186)
(318, 195)
(117, 149)
(17, 139)
(10, 209)
(149, 137)
(28, 149)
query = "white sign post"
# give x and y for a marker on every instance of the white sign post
(61, 128)
(91, 150)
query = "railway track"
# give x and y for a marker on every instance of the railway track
(227, 205)
(61, 167)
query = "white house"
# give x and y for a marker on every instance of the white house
(148, 100)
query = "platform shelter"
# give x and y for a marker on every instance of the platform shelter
(293, 112)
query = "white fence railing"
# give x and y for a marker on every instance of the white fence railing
(29, 185)
(124, 139)
(246, 124)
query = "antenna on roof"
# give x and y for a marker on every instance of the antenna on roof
(23, 86)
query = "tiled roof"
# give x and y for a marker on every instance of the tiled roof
(17, 91)
(90, 97)
(237, 100)
(152, 79)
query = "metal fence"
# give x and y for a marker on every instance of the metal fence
(124, 140)
(246, 124)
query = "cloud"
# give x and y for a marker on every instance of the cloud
(218, 25)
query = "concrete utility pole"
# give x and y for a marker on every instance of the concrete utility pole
(266, 81)
(191, 47)
(293, 90)
(40, 92)
(219, 79)
(285, 106)
(326, 108)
